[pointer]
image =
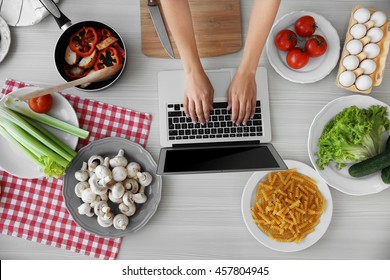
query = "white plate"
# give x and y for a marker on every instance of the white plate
(340, 179)
(248, 198)
(5, 39)
(109, 147)
(318, 67)
(14, 162)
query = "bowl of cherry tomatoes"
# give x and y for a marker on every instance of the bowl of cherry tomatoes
(303, 47)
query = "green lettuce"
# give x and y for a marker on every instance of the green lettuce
(352, 136)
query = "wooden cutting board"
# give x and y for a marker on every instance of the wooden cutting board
(217, 26)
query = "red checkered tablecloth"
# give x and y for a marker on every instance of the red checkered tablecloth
(34, 209)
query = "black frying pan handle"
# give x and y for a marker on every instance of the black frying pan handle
(62, 21)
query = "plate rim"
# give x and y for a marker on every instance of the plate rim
(352, 100)
(286, 247)
(118, 233)
(331, 28)
(4, 29)
(71, 112)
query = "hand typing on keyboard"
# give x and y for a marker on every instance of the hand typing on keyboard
(198, 99)
(220, 124)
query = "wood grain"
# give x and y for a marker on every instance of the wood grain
(217, 26)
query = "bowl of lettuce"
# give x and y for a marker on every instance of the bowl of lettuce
(348, 130)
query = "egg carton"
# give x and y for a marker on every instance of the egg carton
(380, 59)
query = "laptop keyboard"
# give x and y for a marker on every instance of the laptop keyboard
(219, 126)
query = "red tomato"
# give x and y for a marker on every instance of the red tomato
(285, 40)
(316, 46)
(41, 104)
(305, 26)
(297, 58)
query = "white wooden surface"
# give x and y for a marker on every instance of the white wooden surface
(199, 216)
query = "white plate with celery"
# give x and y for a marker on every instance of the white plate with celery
(18, 158)
(333, 164)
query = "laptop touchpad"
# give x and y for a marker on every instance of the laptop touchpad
(220, 81)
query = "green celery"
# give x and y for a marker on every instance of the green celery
(28, 128)
(50, 136)
(22, 148)
(43, 153)
(23, 108)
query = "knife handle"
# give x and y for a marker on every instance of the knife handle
(152, 3)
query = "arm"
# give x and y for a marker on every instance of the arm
(242, 91)
(199, 92)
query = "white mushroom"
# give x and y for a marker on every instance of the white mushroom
(82, 174)
(131, 185)
(99, 206)
(140, 197)
(128, 210)
(119, 173)
(120, 221)
(93, 162)
(114, 199)
(144, 178)
(104, 196)
(85, 209)
(80, 187)
(128, 198)
(117, 190)
(132, 169)
(119, 160)
(106, 219)
(102, 171)
(97, 186)
(88, 196)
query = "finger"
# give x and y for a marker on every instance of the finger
(199, 111)
(235, 110)
(248, 111)
(185, 106)
(229, 107)
(241, 113)
(206, 110)
(191, 107)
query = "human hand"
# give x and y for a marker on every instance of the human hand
(198, 99)
(242, 97)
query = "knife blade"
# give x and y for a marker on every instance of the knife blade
(160, 27)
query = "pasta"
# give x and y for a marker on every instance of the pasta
(288, 205)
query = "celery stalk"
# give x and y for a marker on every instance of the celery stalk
(22, 108)
(22, 148)
(14, 118)
(49, 135)
(43, 153)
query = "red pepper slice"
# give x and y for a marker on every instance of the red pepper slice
(103, 33)
(83, 42)
(74, 72)
(107, 57)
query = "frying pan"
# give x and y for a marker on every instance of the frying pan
(69, 29)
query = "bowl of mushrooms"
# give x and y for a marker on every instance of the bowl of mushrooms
(111, 188)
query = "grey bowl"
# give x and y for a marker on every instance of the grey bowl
(110, 147)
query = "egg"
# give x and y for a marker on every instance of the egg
(363, 82)
(350, 62)
(358, 31)
(379, 18)
(354, 46)
(368, 66)
(375, 34)
(347, 78)
(372, 50)
(362, 15)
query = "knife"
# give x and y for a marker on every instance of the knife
(160, 27)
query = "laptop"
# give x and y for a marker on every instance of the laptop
(219, 145)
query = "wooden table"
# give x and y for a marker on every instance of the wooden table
(199, 216)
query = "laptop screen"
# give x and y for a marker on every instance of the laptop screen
(219, 159)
